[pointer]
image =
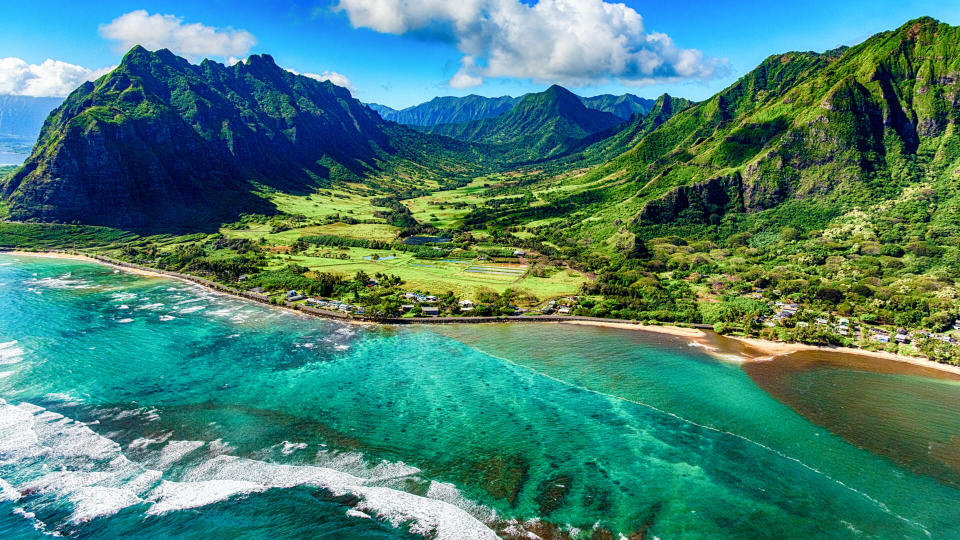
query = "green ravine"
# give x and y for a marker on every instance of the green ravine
(826, 180)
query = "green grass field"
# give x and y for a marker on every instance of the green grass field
(437, 276)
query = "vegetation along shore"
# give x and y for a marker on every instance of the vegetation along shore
(729, 348)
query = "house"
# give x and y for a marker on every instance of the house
(466, 303)
(519, 253)
(956, 324)
(431, 311)
(430, 298)
(564, 310)
(405, 308)
(243, 277)
(802, 324)
(821, 320)
(410, 296)
(293, 296)
(258, 290)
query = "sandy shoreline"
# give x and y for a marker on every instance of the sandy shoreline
(729, 348)
(745, 349)
(148, 273)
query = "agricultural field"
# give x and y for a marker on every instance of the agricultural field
(463, 277)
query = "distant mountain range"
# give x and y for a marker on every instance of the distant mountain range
(539, 125)
(455, 110)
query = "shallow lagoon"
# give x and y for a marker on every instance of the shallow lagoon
(150, 407)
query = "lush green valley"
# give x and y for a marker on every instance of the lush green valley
(815, 199)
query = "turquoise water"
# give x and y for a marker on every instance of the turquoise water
(146, 407)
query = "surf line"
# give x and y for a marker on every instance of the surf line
(774, 451)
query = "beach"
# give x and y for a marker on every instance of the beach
(738, 349)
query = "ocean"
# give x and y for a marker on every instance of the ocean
(144, 407)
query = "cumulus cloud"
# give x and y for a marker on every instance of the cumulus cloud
(338, 79)
(51, 78)
(575, 42)
(194, 40)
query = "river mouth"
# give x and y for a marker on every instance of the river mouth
(905, 412)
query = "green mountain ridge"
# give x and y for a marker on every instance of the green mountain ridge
(447, 110)
(844, 127)
(456, 110)
(160, 142)
(540, 125)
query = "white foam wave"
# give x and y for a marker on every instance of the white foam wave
(226, 476)
(122, 296)
(289, 447)
(123, 306)
(124, 321)
(150, 307)
(8, 492)
(166, 318)
(91, 472)
(192, 309)
(173, 452)
(143, 442)
(66, 281)
(10, 353)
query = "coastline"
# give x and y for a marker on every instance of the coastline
(737, 349)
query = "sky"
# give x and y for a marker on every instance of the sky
(403, 52)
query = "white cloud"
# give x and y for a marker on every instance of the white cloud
(575, 42)
(51, 78)
(338, 79)
(194, 40)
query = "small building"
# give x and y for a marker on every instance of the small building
(405, 308)
(431, 311)
(293, 296)
(431, 298)
(243, 277)
(258, 290)
(466, 303)
(564, 310)
(519, 253)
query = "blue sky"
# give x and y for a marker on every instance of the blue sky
(400, 54)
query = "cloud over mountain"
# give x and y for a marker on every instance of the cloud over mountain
(194, 40)
(575, 42)
(50, 78)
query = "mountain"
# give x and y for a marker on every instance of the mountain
(21, 117)
(807, 136)
(456, 110)
(540, 125)
(447, 110)
(623, 106)
(160, 142)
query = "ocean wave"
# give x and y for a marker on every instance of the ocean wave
(165, 318)
(10, 353)
(150, 307)
(124, 321)
(192, 309)
(91, 473)
(65, 281)
(122, 296)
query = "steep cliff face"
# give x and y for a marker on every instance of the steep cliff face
(844, 126)
(162, 143)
